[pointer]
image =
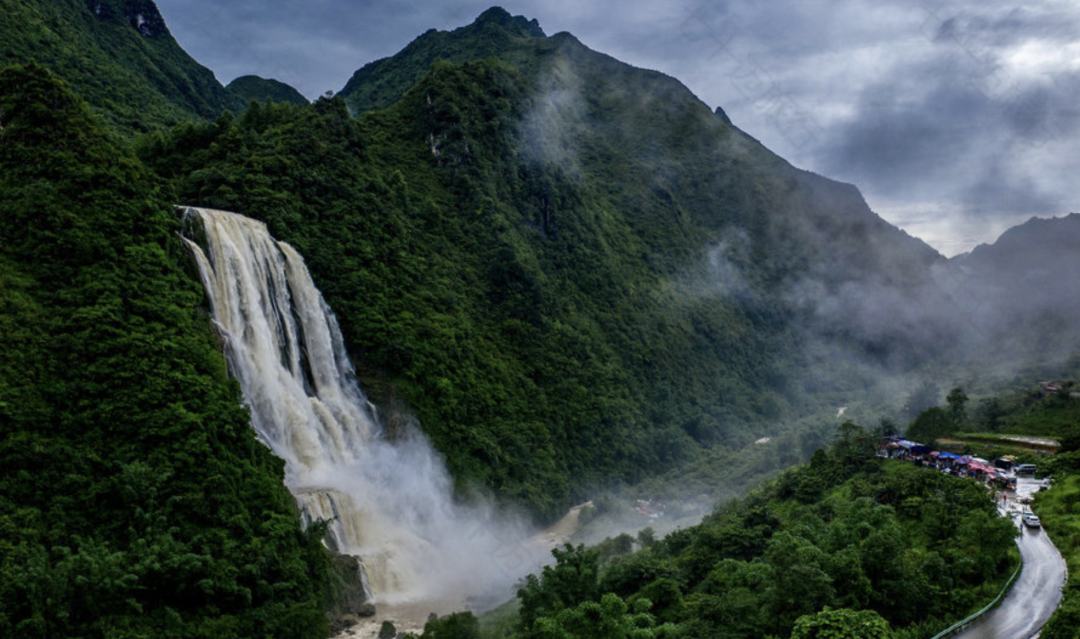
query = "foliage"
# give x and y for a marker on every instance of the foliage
(957, 402)
(1060, 517)
(516, 311)
(555, 261)
(875, 543)
(610, 618)
(118, 55)
(573, 579)
(460, 625)
(571, 270)
(381, 83)
(1030, 411)
(251, 87)
(840, 624)
(134, 497)
(931, 425)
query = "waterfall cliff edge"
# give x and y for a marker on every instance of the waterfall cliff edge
(388, 503)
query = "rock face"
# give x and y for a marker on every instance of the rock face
(350, 598)
(143, 15)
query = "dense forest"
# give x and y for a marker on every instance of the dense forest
(520, 350)
(848, 545)
(572, 273)
(134, 497)
(562, 297)
(117, 55)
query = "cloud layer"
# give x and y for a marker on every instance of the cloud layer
(956, 118)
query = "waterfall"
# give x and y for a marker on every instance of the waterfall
(389, 503)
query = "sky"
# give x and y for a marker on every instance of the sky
(957, 119)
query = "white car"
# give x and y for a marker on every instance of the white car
(1031, 520)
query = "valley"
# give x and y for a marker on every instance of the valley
(266, 362)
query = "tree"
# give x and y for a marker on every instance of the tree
(799, 581)
(460, 625)
(840, 624)
(988, 414)
(924, 396)
(853, 445)
(957, 400)
(931, 425)
(572, 580)
(610, 618)
(885, 428)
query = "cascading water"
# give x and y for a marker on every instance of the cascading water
(389, 503)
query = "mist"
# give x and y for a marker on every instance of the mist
(389, 500)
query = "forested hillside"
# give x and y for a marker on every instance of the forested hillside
(134, 497)
(848, 544)
(118, 55)
(1017, 297)
(569, 269)
(572, 272)
(251, 87)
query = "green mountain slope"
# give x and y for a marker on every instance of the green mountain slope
(135, 499)
(1019, 295)
(251, 87)
(381, 83)
(571, 270)
(118, 55)
(846, 532)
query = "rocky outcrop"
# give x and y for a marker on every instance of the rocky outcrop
(349, 600)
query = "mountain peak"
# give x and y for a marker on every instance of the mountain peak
(518, 25)
(143, 15)
(252, 87)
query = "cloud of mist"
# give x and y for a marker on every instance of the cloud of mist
(416, 541)
(559, 116)
(961, 108)
(389, 501)
(727, 261)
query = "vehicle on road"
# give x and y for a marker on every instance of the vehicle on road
(1025, 469)
(1031, 520)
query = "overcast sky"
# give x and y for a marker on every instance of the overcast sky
(955, 118)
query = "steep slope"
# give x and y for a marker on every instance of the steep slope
(251, 87)
(571, 270)
(118, 55)
(1019, 293)
(654, 148)
(135, 499)
(647, 140)
(379, 84)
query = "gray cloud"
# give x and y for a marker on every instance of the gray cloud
(956, 118)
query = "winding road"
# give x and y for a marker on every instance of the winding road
(1037, 591)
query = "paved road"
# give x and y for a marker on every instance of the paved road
(1037, 590)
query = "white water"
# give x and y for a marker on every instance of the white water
(391, 502)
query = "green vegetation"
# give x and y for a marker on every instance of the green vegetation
(931, 425)
(1057, 508)
(571, 271)
(117, 55)
(840, 624)
(515, 310)
(1031, 411)
(846, 546)
(134, 497)
(251, 87)
(1060, 514)
(564, 297)
(380, 84)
